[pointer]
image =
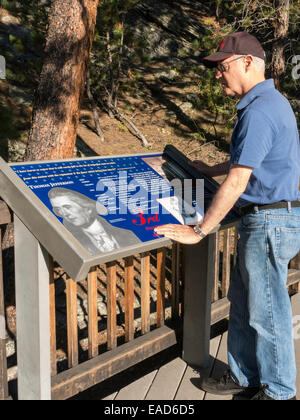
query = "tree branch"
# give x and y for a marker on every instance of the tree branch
(94, 107)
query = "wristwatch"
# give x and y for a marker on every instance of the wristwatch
(197, 229)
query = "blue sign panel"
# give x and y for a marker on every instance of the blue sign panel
(108, 203)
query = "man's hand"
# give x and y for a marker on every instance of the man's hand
(182, 234)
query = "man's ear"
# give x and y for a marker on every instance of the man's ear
(248, 61)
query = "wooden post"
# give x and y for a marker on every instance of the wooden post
(175, 281)
(111, 305)
(129, 299)
(197, 301)
(93, 313)
(72, 329)
(161, 286)
(145, 292)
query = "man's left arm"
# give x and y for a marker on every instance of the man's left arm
(227, 195)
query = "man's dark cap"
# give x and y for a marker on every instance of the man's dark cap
(238, 43)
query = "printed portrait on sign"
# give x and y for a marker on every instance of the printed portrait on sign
(83, 217)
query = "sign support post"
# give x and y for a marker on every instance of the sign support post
(33, 319)
(197, 302)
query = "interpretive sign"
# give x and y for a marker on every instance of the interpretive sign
(94, 210)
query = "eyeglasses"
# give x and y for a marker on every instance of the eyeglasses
(223, 67)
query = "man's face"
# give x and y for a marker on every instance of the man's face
(71, 211)
(231, 79)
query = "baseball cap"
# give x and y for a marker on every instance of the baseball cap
(240, 43)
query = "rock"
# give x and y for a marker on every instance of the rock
(8, 19)
(10, 347)
(186, 107)
(165, 26)
(154, 295)
(20, 96)
(102, 308)
(17, 150)
(12, 373)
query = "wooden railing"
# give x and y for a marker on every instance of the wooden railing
(123, 313)
(136, 297)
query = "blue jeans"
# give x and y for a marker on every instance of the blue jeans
(260, 337)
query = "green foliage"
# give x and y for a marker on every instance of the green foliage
(120, 59)
(257, 17)
(8, 5)
(24, 54)
(112, 35)
(9, 129)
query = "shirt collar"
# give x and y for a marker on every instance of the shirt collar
(258, 89)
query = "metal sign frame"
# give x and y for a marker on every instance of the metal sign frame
(51, 233)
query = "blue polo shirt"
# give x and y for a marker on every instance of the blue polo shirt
(266, 138)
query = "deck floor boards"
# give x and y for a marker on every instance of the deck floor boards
(175, 380)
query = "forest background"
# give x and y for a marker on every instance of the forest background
(143, 87)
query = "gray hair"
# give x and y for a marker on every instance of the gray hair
(78, 198)
(82, 200)
(259, 64)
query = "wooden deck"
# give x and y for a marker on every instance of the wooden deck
(170, 378)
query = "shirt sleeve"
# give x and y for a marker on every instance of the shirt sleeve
(253, 139)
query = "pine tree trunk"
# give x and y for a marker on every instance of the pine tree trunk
(280, 35)
(57, 102)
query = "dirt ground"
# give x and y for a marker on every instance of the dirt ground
(164, 116)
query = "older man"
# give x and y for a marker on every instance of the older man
(263, 178)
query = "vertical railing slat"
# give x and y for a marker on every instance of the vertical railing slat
(92, 314)
(161, 276)
(145, 292)
(72, 330)
(111, 305)
(236, 236)
(175, 281)
(129, 299)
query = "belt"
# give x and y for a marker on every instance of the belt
(279, 205)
